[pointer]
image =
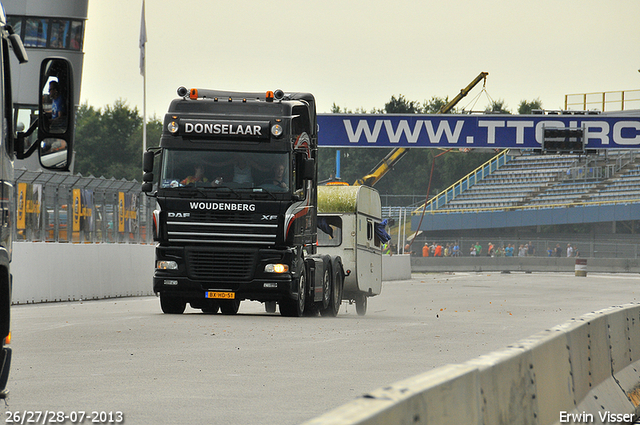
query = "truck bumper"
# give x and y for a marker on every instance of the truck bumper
(200, 270)
(257, 289)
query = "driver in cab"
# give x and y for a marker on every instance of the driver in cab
(197, 177)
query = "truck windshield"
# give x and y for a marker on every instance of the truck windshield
(231, 169)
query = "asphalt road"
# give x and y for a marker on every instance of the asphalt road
(124, 355)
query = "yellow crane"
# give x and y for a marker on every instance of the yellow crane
(387, 163)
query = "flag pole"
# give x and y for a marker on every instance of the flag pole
(143, 71)
(144, 111)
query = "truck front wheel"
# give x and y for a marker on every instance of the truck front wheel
(211, 307)
(229, 307)
(295, 308)
(270, 306)
(172, 305)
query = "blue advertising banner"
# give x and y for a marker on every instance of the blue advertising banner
(472, 131)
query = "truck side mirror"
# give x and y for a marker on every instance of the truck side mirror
(147, 162)
(56, 114)
(147, 168)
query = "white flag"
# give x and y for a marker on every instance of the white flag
(143, 40)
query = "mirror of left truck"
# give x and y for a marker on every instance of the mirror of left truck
(56, 111)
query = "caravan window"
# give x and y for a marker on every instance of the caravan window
(371, 233)
(329, 231)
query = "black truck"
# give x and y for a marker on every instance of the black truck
(53, 142)
(235, 183)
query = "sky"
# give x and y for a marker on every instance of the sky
(357, 54)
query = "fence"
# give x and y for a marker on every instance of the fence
(580, 247)
(394, 205)
(55, 207)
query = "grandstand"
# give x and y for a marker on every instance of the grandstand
(553, 181)
(526, 194)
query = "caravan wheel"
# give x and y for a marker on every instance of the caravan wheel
(361, 304)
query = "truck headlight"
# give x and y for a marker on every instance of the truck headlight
(167, 265)
(276, 268)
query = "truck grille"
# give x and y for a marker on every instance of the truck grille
(221, 216)
(222, 233)
(220, 266)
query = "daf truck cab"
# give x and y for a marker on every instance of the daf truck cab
(235, 181)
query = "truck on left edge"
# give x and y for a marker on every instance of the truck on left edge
(54, 131)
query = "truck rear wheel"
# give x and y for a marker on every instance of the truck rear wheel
(336, 295)
(295, 308)
(172, 304)
(327, 286)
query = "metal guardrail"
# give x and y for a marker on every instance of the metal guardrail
(56, 207)
(531, 207)
(600, 168)
(603, 101)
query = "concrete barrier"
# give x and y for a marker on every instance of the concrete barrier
(396, 267)
(506, 386)
(45, 272)
(584, 371)
(411, 401)
(521, 264)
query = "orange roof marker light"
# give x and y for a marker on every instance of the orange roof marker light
(193, 94)
(269, 96)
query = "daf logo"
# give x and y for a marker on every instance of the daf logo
(178, 215)
(269, 217)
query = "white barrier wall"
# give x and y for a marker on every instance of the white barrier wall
(585, 371)
(44, 272)
(396, 267)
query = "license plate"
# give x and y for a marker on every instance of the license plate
(221, 295)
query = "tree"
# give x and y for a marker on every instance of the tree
(497, 107)
(435, 104)
(400, 105)
(109, 141)
(527, 107)
(335, 109)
